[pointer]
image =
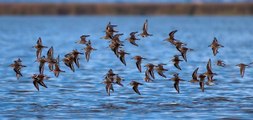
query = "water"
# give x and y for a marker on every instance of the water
(81, 95)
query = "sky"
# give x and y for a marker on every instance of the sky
(125, 1)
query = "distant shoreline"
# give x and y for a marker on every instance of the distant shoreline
(125, 9)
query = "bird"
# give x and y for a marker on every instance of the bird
(174, 41)
(39, 80)
(88, 50)
(115, 47)
(135, 86)
(215, 46)
(122, 54)
(150, 70)
(138, 61)
(159, 68)
(108, 86)
(176, 80)
(68, 60)
(75, 55)
(83, 39)
(209, 73)
(176, 61)
(195, 76)
(242, 68)
(17, 66)
(132, 38)
(109, 31)
(50, 59)
(39, 46)
(201, 81)
(145, 30)
(147, 78)
(57, 69)
(118, 80)
(183, 51)
(42, 62)
(220, 63)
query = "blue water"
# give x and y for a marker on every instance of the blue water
(81, 94)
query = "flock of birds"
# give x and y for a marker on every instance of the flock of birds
(71, 59)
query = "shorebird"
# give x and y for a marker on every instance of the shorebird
(159, 68)
(116, 39)
(215, 46)
(75, 55)
(42, 62)
(176, 80)
(220, 63)
(50, 59)
(242, 68)
(39, 80)
(135, 86)
(176, 61)
(147, 78)
(118, 80)
(122, 54)
(39, 46)
(68, 60)
(132, 38)
(17, 66)
(108, 86)
(209, 73)
(57, 69)
(195, 76)
(88, 50)
(138, 61)
(83, 39)
(109, 31)
(145, 30)
(173, 41)
(115, 48)
(183, 51)
(201, 81)
(150, 70)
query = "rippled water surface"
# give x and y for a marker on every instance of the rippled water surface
(81, 94)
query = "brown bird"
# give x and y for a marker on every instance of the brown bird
(115, 48)
(173, 41)
(50, 59)
(122, 54)
(39, 80)
(116, 39)
(109, 31)
(195, 76)
(201, 82)
(69, 61)
(135, 86)
(42, 62)
(159, 68)
(183, 51)
(132, 38)
(176, 80)
(176, 61)
(88, 50)
(75, 55)
(242, 68)
(108, 86)
(39, 46)
(220, 63)
(118, 80)
(145, 30)
(17, 66)
(215, 46)
(147, 78)
(57, 69)
(138, 61)
(150, 70)
(83, 39)
(209, 73)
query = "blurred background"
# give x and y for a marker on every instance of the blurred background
(119, 7)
